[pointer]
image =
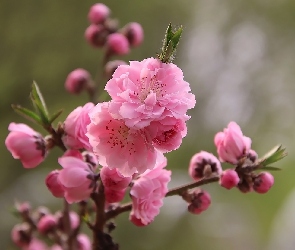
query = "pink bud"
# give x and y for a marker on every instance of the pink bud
(263, 182)
(56, 247)
(96, 35)
(83, 242)
(54, 185)
(204, 164)
(113, 196)
(22, 207)
(229, 179)
(134, 33)
(232, 144)
(77, 80)
(252, 155)
(36, 244)
(90, 158)
(200, 202)
(98, 13)
(112, 179)
(25, 144)
(74, 220)
(117, 44)
(77, 178)
(111, 66)
(20, 235)
(47, 223)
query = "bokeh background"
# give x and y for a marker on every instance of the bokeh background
(239, 57)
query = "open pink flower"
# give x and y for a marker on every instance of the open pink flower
(118, 146)
(147, 194)
(232, 144)
(25, 144)
(77, 178)
(75, 128)
(144, 91)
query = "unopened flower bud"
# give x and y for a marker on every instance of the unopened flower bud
(252, 155)
(111, 66)
(74, 220)
(200, 202)
(47, 223)
(53, 184)
(23, 207)
(84, 242)
(90, 158)
(117, 44)
(20, 235)
(229, 179)
(232, 144)
(77, 81)
(96, 35)
(98, 13)
(25, 144)
(204, 164)
(40, 212)
(263, 182)
(134, 33)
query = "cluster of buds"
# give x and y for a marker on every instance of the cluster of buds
(54, 227)
(104, 32)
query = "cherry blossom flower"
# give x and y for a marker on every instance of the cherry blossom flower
(148, 90)
(148, 192)
(118, 146)
(25, 144)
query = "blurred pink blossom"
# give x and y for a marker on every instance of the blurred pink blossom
(98, 13)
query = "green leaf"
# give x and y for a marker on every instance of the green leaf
(55, 116)
(26, 113)
(270, 168)
(176, 38)
(39, 103)
(274, 155)
(168, 36)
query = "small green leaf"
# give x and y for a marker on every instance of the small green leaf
(37, 98)
(168, 36)
(270, 168)
(176, 37)
(55, 116)
(86, 218)
(26, 113)
(274, 155)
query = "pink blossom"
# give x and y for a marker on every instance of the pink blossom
(148, 90)
(47, 223)
(112, 195)
(231, 144)
(229, 179)
(23, 207)
(112, 179)
(147, 194)
(117, 145)
(134, 33)
(73, 152)
(202, 164)
(53, 184)
(25, 144)
(117, 44)
(74, 219)
(77, 81)
(77, 178)
(90, 158)
(263, 182)
(56, 247)
(98, 13)
(75, 127)
(200, 202)
(83, 242)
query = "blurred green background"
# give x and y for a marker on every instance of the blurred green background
(238, 56)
